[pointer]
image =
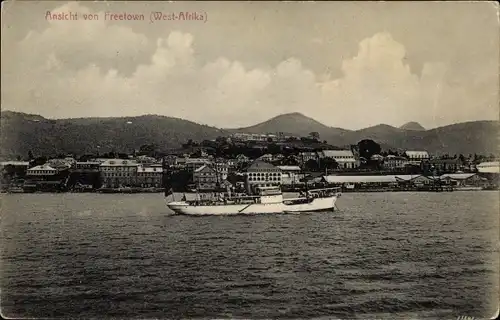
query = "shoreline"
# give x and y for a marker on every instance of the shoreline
(180, 193)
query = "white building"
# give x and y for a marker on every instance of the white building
(416, 157)
(290, 175)
(262, 174)
(345, 158)
(42, 170)
(489, 167)
(392, 162)
(254, 137)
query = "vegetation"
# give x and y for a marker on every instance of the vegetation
(367, 148)
(31, 136)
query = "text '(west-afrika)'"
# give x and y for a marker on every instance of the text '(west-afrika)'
(125, 16)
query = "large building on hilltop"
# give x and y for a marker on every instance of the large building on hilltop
(345, 158)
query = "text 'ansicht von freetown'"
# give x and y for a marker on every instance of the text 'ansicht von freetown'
(125, 16)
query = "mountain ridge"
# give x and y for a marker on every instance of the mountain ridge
(21, 132)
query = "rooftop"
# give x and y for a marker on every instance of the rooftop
(369, 179)
(119, 162)
(457, 176)
(42, 167)
(289, 168)
(204, 168)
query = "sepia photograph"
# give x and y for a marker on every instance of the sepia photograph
(250, 160)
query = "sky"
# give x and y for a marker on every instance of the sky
(346, 64)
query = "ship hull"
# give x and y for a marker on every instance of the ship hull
(230, 209)
(318, 204)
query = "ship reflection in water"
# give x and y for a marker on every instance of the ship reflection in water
(382, 255)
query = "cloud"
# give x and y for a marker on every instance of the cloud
(81, 42)
(62, 73)
(376, 82)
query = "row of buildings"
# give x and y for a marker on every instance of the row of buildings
(112, 173)
(207, 172)
(347, 160)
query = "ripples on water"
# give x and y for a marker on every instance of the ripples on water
(383, 255)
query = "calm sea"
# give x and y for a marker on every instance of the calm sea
(382, 255)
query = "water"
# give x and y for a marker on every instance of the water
(383, 255)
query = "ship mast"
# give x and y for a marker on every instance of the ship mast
(217, 182)
(166, 175)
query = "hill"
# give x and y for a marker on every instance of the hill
(300, 125)
(467, 138)
(21, 133)
(290, 123)
(415, 126)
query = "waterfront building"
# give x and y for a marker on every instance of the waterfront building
(118, 173)
(262, 174)
(46, 178)
(205, 178)
(149, 177)
(464, 179)
(377, 181)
